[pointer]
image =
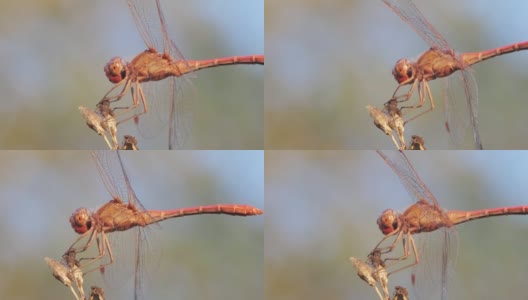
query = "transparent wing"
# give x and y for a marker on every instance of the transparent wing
(110, 170)
(136, 254)
(438, 252)
(132, 198)
(167, 106)
(408, 176)
(134, 250)
(155, 121)
(180, 116)
(146, 259)
(461, 107)
(414, 18)
(113, 173)
(151, 24)
(165, 99)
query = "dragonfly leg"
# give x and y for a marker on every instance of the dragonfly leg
(421, 98)
(409, 243)
(101, 250)
(120, 95)
(92, 233)
(103, 244)
(136, 103)
(388, 249)
(425, 92)
(407, 96)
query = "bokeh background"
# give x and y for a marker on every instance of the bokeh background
(202, 257)
(328, 60)
(52, 55)
(322, 206)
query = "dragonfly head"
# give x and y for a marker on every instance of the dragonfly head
(404, 71)
(81, 221)
(115, 70)
(389, 221)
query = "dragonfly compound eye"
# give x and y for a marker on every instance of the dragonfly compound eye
(115, 70)
(403, 71)
(388, 222)
(80, 221)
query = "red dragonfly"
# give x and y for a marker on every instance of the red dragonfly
(425, 216)
(125, 212)
(441, 61)
(162, 60)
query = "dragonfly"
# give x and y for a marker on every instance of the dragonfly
(426, 216)
(442, 61)
(162, 62)
(125, 212)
